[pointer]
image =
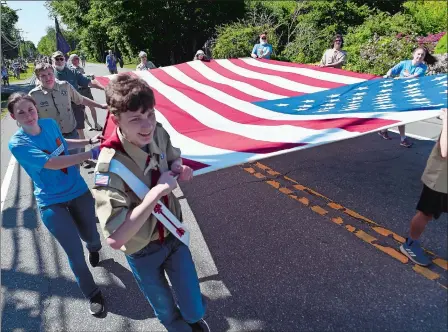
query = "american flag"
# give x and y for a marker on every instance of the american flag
(231, 111)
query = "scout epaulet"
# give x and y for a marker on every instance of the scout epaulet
(104, 160)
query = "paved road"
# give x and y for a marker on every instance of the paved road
(301, 242)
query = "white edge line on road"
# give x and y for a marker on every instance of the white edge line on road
(7, 180)
(423, 138)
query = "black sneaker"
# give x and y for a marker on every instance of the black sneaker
(96, 304)
(200, 326)
(94, 258)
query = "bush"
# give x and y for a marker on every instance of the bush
(430, 16)
(442, 46)
(237, 40)
(380, 54)
(308, 45)
(359, 39)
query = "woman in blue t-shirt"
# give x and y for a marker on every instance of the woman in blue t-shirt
(409, 69)
(65, 203)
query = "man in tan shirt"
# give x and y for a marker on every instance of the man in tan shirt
(53, 99)
(334, 57)
(434, 197)
(144, 147)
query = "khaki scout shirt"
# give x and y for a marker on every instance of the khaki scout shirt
(333, 56)
(115, 199)
(56, 104)
(435, 174)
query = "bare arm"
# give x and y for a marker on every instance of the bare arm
(91, 103)
(61, 162)
(96, 84)
(135, 218)
(76, 143)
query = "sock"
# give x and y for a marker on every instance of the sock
(403, 138)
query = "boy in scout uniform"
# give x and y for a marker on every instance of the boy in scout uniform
(143, 146)
(54, 100)
(433, 199)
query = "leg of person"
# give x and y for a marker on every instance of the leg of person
(404, 142)
(180, 268)
(61, 225)
(95, 119)
(384, 134)
(82, 209)
(86, 119)
(146, 265)
(79, 111)
(430, 206)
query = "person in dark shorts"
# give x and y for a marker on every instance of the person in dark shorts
(433, 199)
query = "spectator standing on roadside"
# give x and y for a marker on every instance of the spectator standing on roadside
(65, 203)
(144, 63)
(83, 59)
(73, 63)
(63, 73)
(334, 56)
(5, 76)
(263, 50)
(200, 55)
(433, 199)
(409, 69)
(111, 63)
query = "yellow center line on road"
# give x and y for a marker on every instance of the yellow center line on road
(322, 211)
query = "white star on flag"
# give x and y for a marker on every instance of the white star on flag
(442, 83)
(357, 98)
(281, 105)
(417, 94)
(362, 88)
(385, 106)
(438, 105)
(439, 78)
(386, 90)
(329, 104)
(419, 99)
(308, 101)
(446, 91)
(386, 85)
(334, 95)
(360, 93)
(410, 80)
(383, 101)
(334, 100)
(411, 85)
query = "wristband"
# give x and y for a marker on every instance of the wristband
(90, 141)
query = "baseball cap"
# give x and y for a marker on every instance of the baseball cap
(141, 54)
(55, 54)
(200, 52)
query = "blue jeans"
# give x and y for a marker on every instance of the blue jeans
(65, 221)
(174, 257)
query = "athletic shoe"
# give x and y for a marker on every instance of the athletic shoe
(200, 326)
(94, 258)
(406, 144)
(384, 134)
(413, 250)
(96, 304)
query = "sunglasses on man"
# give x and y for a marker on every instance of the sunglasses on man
(263, 38)
(59, 58)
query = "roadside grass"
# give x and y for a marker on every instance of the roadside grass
(23, 76)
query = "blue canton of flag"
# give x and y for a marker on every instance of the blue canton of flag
(374, 96)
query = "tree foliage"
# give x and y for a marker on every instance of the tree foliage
(169, 31)
(430, 16)
(10, 36)
(47, 44)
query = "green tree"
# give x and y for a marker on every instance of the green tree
(9, 35)
(430, 16)
(169, 31)
(47, 44)
(28, 49)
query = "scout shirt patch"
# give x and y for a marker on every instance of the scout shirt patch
(63, 92)
(101, 179)
(44, 103)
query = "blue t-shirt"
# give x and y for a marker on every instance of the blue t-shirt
(73, 77)
(33, 152)
(110, 62)
(406, 66)
(259, 50)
